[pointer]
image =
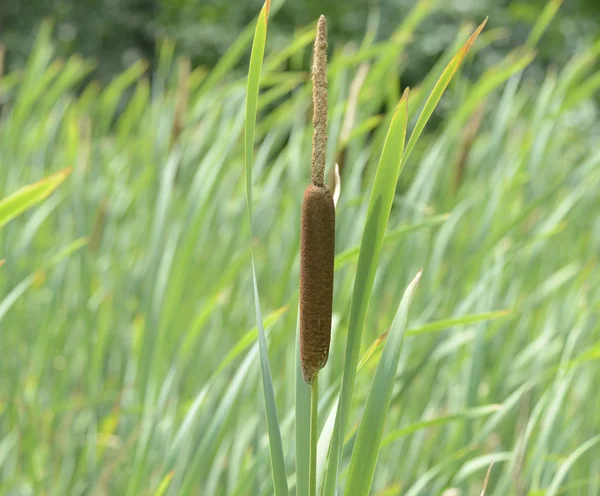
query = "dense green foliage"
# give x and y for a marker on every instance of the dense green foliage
(128, 346)
(117, 32)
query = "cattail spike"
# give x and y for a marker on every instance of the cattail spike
(319, 80)
(317, 231)
(317, 252)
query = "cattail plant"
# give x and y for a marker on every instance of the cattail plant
(317, 234)
(317, 247)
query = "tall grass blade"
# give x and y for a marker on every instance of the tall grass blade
(370, 432)
(438, 91)
(565, 466)
(29, 196)
(254, 71)
(378, 213)
(543, 21)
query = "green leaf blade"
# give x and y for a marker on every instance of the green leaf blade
(254, 72)
(370, 432)
(380, 205)
(28, 196)
(439, 89)
(561, 473)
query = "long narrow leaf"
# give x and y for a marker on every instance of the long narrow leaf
(380, 204)
(256, 60)
(568, 463)
(438, 91)
(30, 195)
(370, 431)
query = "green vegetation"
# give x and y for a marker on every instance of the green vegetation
(130, 358)
(117, 32)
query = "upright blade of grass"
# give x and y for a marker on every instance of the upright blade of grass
(543, 21)
(428, 83)
(370, 431)
(568, 463)
(256, 59)
(380, 204)
(438, 91)
(325, 439)
(30, 195)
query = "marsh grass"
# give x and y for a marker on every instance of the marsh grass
(134, 368)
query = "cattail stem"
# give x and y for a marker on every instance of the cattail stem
(314, 408)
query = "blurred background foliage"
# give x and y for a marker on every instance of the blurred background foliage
(117, 32)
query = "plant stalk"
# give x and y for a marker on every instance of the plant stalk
(314, 408)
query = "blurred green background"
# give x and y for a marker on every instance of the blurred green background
(128, 357)
(117, 32)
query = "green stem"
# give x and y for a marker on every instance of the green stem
(314, 408)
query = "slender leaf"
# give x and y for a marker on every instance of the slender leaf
(256, 60)
(438, 91)
(29, 196)
(568, 463)
(368, 439)
(380, 203)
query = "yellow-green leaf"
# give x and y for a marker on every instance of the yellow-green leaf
(29, 196)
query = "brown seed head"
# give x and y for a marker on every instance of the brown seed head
(317, 232)
(317, 249)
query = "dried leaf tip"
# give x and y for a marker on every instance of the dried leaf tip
(319, 80)
(476, 33)
(405, 94)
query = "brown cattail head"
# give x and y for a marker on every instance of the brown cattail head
(317, 232)
(317, 249)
